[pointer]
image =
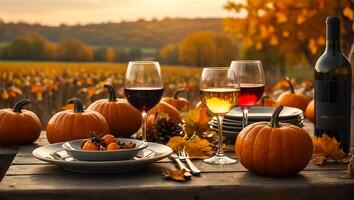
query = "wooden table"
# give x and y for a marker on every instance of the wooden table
(28, 178)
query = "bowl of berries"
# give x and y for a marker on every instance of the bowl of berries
(104, 148)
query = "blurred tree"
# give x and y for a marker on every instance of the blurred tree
(121, 55)
(30, 47)
(169, 54)
(74, 50)
(198, 49)
(99, 54)
(134, 54)
(293, 27)
(226, 51)
(110, 54)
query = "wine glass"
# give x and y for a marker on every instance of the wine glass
(143, 87)
(219, 91)
(251, 75)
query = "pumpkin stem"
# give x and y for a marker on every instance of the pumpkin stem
(112, 93)
(77, 105)
(177, 92)
(19, 104)
(274, 122)
(291, 87)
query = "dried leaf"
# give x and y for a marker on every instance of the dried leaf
(326, 147)
(195, 147)
(196, 121)
(177, 175)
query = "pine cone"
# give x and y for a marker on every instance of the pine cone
(163, 130)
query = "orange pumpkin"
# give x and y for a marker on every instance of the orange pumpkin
(274, 149)
(310, 111)
(164, 107)
(75, 124)
(178, 102)
(266, 101)
(292, 99)
(19, 126)
(122, 118)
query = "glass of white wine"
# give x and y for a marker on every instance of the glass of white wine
(219, 91)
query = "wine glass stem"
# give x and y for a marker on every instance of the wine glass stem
(245, 117)
(220, 151)
(144, 121)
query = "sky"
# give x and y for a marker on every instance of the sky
(55, 12)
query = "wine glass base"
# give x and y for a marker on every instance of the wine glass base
(220, 160)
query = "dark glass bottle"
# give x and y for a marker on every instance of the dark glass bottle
(333, 82)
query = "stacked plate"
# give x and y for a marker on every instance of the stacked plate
(232, 123)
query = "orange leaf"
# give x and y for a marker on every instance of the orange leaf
(326, 147)
(348, 12)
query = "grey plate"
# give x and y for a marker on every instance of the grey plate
(239, 123)
(239, 128)
(73, 148)
(264, 113)
(153, 153)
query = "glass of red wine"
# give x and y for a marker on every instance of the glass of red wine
(252, 80)
(143, 87)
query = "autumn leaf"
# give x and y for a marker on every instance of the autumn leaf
(195, 147)
(324, 148)
(177, 175)
(196, 121)
(348, 12)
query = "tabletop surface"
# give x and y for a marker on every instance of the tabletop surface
(40, 180)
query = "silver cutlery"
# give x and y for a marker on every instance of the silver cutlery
(180, 165)
(183, 155)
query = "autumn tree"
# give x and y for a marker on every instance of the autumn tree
(110, 54)
(169, 54)
(294, 27)
(207, 48)
(74, 50)
(30, 47)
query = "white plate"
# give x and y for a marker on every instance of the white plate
(73, 148)
(151, 154)
(264, 113)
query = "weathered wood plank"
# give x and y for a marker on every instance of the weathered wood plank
(142, 185)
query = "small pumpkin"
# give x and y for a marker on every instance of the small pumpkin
(122, 118)
(274, 149)
(166, 108)
(19, 126)
(292, 99)
(75, 124)
(310, 111)
(178, 102)
(266, 101)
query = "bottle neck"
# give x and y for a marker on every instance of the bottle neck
(333, 36)
(333, 45)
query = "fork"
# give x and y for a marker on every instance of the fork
(183, 155)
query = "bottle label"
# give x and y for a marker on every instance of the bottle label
(331, 103)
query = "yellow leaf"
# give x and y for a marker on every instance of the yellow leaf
(326, 147)
(177, 175)
(300, 19)
(259, 45)
(286, 34)
(5, 95)
(281, 17)
(196, 121)
(312, 46)
(195, 147)
(348, 12)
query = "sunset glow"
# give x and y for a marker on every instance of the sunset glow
(55, 12)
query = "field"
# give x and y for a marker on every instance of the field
(50, 84)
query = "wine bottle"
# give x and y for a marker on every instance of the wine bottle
(333, 82)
